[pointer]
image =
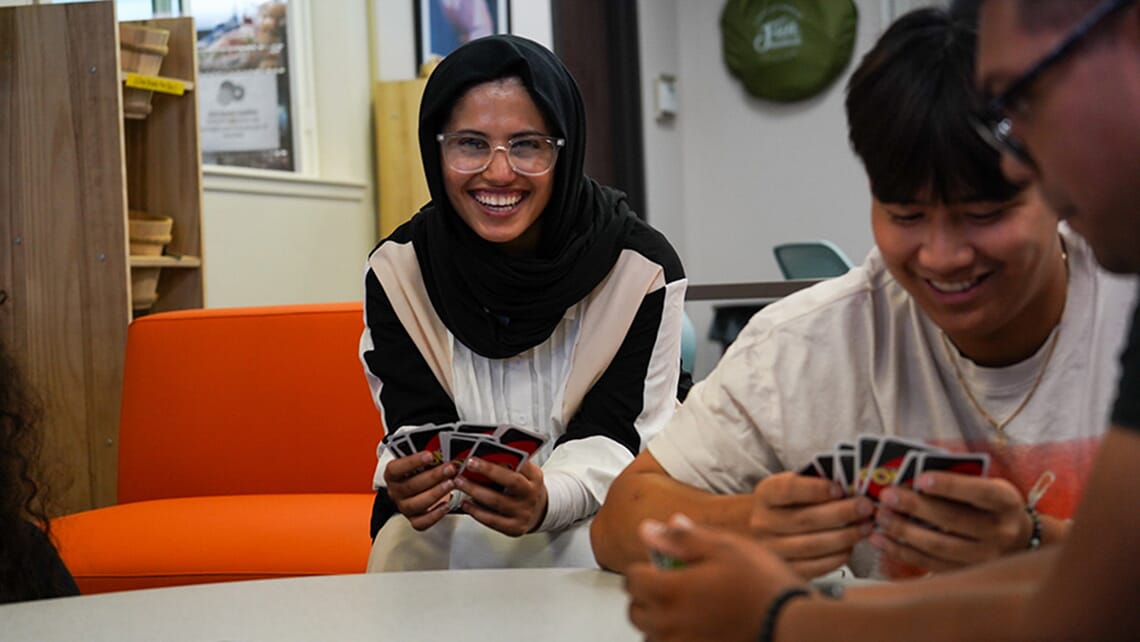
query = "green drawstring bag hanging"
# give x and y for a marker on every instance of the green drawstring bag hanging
(787, 50)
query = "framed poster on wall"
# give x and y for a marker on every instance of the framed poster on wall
(246, 105)
(443, 25)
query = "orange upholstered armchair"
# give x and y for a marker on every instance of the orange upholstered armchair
(247, 445)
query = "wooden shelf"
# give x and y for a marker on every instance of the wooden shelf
(164, 167)
(166, 261)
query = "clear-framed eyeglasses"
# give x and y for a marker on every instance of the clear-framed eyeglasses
(993, 122)
(532, 155)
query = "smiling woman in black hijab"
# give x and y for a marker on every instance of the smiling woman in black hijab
(524, 293)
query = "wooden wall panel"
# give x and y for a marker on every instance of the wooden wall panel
(400, 184)
(7, 132)
(64, 203)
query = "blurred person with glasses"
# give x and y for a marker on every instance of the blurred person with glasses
(524, 293)
(1074, 68)
(976, 324)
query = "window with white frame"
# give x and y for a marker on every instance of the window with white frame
(250, 78)
(245, 90)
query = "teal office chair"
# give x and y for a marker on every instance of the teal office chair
(688, 344)
(811, 260)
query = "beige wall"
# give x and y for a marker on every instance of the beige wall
(296, 241)
(733, 175)
(303, 240)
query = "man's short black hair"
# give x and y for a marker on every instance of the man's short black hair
(909, 106)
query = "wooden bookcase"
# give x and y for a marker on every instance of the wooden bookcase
(71, 168)
(164, 171)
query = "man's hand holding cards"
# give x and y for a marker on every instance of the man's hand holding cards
(936, 510)
(874, 462)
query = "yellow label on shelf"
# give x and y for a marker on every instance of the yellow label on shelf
(154, 83)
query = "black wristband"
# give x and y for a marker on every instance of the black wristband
(778, 603)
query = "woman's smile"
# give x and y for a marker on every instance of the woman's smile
(499, 202)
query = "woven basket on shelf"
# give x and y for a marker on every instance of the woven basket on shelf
(141, 50)
(149, 234)
(144, 287)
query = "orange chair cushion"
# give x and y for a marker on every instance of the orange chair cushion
(196, 540)
(253, 400)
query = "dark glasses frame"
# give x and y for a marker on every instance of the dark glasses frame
(993, 123)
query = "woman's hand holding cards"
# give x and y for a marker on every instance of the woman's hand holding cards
(419, 488)
(808, 522)
(432, 460)
(515, 510)
(957, 520)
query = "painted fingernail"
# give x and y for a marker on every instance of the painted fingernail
(427, 457)
(681, 521)
(459, 482)
(448, 485)
(837, 492)
(924, 482)
(474, 464)
(885, 518)
(864, 507)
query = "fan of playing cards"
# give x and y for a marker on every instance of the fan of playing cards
(500, 444)
(874, 462)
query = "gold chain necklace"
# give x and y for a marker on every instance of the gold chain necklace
(999, 426)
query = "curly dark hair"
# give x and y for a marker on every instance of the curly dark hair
(23, 506)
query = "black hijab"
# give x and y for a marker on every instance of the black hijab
(495, 304)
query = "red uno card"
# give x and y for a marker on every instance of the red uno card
(495, 454)
(811, 469)
(826, 464)
(976, 464)
(886, 462)
(521, 439)
(844, 472)
(458, 446)
(866, 447)
(477, 429)
(400, 446)
(426, 439)
(908, 470)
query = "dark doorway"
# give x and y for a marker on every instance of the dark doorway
(597, 40)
